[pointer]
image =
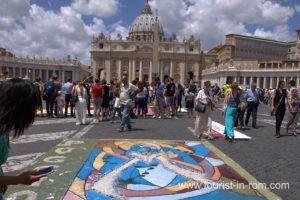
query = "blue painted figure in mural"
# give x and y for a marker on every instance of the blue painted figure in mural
(148, 170)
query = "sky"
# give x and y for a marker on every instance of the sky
(56, 28)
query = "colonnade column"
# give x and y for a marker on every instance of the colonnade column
(130, 71)
(107, 70)
(182, 72)
(264, 82)
(251, 80)
(171, 69)
(150, 72)
(133, 70)
(197, 71)
(119, 69)
(161, 70)
(141, 71)
(271, 82)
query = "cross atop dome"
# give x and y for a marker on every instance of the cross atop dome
(147, 8)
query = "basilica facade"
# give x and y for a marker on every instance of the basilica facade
(146, 53)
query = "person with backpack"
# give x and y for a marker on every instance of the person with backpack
(169, 94)
(50, 97)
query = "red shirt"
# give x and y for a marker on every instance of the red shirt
(97, 91)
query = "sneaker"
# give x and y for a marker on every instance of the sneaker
(159, 117)
(294, 134)
(153, 117)
(77, 124)
(121, 130)
(278, 136)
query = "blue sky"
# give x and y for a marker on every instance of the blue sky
(54, 28)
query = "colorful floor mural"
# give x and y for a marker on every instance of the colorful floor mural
(135, 169)
(156, 170)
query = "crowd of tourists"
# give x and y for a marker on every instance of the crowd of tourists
(20, 100)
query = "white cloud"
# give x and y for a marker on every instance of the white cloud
(297, 8)
(99, 8)
(211, 20)
(280, 32)
(53, 34)
(12, 10)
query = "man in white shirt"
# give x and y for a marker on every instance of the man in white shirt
(68, 86)
(127, 93)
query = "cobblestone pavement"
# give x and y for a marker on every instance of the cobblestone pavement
(268, 159)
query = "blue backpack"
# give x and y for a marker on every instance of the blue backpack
(50, 89)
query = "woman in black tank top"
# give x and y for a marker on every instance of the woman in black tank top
(279, 105)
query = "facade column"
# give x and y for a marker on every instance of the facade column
(197, 71)
(264, 82)
(94, 67)
(171, 69)
(150, 72)
(40, 74)
(133, 70)
(129, 70)
(161, 70)
(182, 72)
(141, 70)
(271, 82)
(120, 69)
(107, 70)
(244, 80)
(251, 80)
(47, 74)
(63, 76)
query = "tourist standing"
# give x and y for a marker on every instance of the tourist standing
(169, 94)
(230, 110)
(81, 106)
(180, 95)
(127, 93)
(190, 102)
(57, 87)
(141, 100)
(105, 102)
(252, 97)
(97, 95)
(204, 107)
(278, 106)
(19, 101)
(241, 108)
(116, 104)
(88, 98)
(294, 110)
(67, 87)
(158, 98)
(49, 97)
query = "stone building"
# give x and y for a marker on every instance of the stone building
(146, 53)
(246, 59)
(32, 68)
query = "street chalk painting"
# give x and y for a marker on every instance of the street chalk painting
(218, 131)
(131, 169)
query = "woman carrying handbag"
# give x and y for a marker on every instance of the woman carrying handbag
(204, 107)
(278, 106)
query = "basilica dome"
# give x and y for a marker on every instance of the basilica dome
(143, 26)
